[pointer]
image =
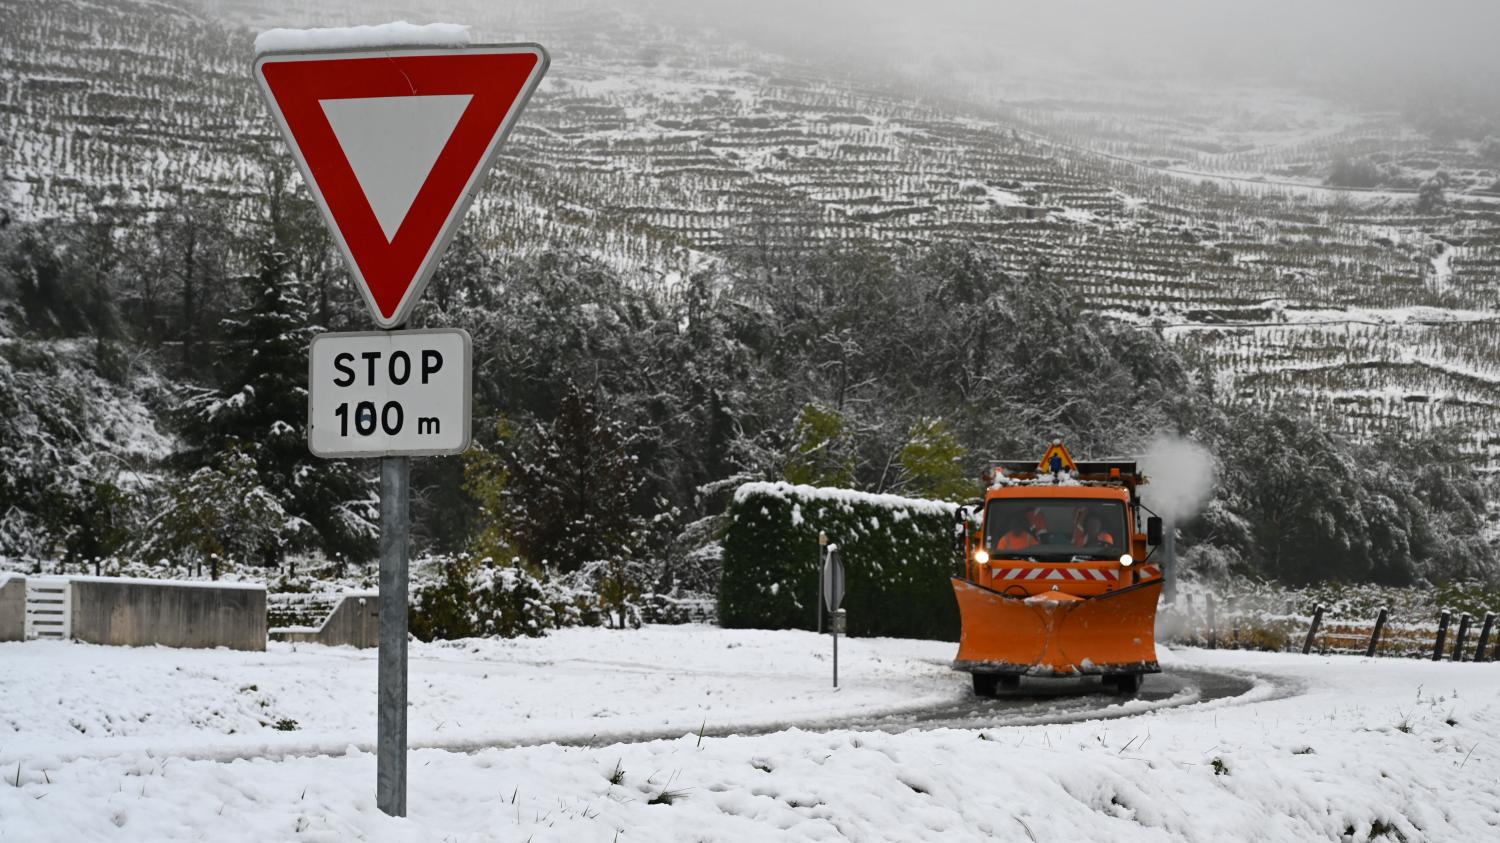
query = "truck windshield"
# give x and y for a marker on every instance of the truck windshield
(1055, 529)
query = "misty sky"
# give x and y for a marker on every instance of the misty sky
(1385, 52)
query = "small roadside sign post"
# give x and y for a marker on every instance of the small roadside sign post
(394, 142)
(833, 595)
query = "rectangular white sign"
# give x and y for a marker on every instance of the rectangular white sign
(389, 393)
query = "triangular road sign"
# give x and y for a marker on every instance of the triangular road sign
(394, 144)
(1056, 459)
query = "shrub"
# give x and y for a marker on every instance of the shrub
(897, 554)
(475, 597)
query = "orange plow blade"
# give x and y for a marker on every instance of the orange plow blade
(1055, 634)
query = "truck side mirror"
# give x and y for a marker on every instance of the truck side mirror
(1153, 530)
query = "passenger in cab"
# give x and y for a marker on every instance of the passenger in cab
(1017, 536)
(1036, 523)
(1092, 531)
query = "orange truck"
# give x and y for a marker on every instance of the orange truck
(1055, 579)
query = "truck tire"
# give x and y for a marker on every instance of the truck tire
(984, 684)
(1124, 684)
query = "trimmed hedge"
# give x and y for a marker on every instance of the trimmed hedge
(897, 554)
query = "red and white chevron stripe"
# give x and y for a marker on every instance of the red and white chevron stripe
(1069, 574)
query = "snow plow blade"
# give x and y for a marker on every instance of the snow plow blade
(1057, 634)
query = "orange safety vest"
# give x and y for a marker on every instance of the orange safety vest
(1080, 538)
(1015, 541)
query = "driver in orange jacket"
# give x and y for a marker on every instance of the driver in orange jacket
(1018, 535)
(1092, 531)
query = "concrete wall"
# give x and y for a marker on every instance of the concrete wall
(354, 622)
(12, 608)
(134, 612)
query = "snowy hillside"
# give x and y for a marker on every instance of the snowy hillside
(660, 148)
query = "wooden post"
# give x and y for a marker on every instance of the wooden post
(1442, 637)
(1375, 634)
(1463, 637)
(1312, 631)
(1484, 636)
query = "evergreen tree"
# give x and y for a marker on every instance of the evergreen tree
(261, 410)
(931, 464)
(562, 494)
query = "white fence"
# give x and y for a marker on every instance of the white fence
(49, 608)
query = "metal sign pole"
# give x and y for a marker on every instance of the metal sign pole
(835, 654)
(832, 594)
(1169, 562)
(390, 728)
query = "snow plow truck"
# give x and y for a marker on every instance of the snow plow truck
(1055, 578)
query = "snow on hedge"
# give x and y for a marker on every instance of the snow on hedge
(395, 34)
(848, 498)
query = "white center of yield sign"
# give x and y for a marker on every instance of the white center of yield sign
(391, 144)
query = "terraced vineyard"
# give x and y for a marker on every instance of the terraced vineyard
(665, 152)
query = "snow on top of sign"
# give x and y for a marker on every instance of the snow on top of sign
(395, 34)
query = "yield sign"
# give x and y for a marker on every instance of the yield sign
(394, 144)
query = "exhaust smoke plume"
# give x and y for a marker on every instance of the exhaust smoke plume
(1181, 474)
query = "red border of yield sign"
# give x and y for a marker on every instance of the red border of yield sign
(500, 78)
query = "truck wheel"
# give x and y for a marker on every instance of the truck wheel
(1010, 683)
(1125, 683)
(984, 684)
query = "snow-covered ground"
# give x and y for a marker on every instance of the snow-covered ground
(67, 699)
(92, 739)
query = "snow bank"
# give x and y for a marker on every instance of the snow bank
(847, 497)
(396, 34)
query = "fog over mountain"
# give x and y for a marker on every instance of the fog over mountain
(867, 245)
(1385, 52)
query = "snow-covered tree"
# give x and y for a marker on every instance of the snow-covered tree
(563, 493)
(219, 513)
(260, 409)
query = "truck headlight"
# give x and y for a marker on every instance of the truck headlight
(1127, 560)
(981, 556)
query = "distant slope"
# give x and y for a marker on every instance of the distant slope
(660, 150)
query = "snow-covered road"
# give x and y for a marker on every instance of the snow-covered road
(576, 687)
(91, 743)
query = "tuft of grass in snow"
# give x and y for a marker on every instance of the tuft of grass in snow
(285, 724)
(667, 797)
(618, 776)
(1220, 768)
